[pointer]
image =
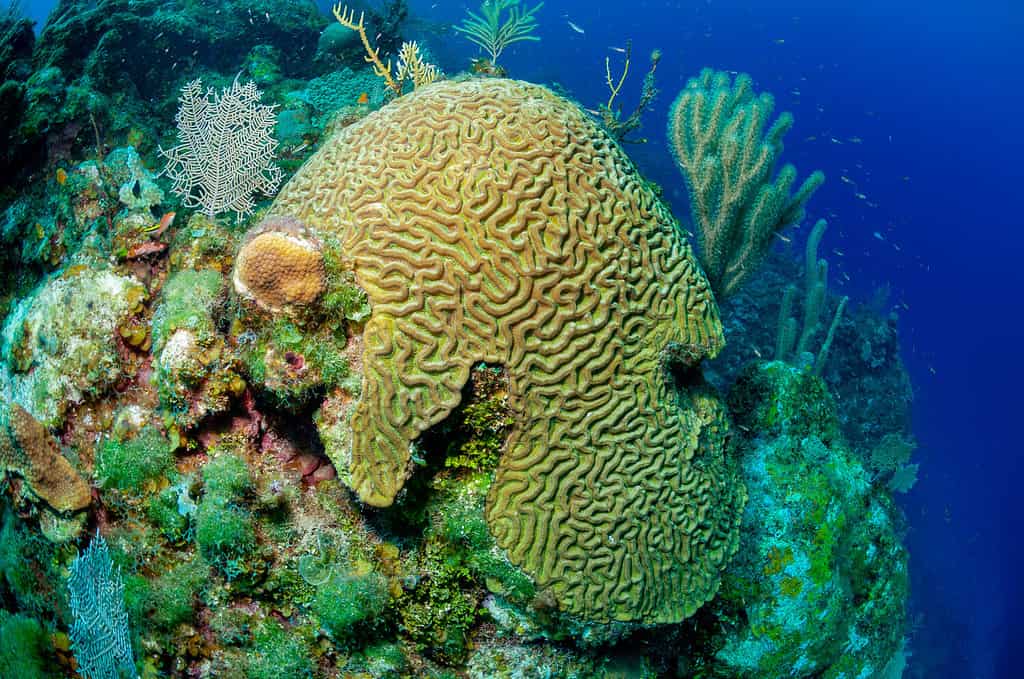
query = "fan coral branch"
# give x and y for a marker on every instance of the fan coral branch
(99, 633)
(227, 149)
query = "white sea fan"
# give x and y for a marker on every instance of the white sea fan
(227, 148)
(99, 631)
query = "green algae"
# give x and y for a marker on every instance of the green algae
(24, 648)
(347, 600)
(128, 465)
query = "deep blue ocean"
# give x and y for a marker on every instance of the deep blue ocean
(920, 107)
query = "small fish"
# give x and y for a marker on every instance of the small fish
(834, 140)
(870, 204)
(756, 352)
(811, 138)
(593, 112)
(620, 50)
(62, 176)
(855, 140)
(779, 41)
(846, 180)
(838, 252)
(143, 249)
(363, 98)
(906, 178)
(161, 226)
(861, 196)
(897, 248)
(575, 27)
(879, 236)
(933, 371)
(784, 239)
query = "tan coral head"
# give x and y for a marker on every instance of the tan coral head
(30, 451)
(491, 220)
(280, 267)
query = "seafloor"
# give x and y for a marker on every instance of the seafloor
(416, 375)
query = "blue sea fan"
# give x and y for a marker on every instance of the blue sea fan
(99, 634)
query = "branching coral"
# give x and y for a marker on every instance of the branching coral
(611, 117)
(815, 289)
(410, 62)
(494, 35)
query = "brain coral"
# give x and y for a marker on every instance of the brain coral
(490, 220)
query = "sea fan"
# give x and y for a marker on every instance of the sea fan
(227, 149)
(99, 634)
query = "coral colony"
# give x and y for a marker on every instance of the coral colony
(332, 364)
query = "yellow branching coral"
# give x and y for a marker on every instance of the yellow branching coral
(491, 220)
(411, 66)
(410, 62)
(346, 18)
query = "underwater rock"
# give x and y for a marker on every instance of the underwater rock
(511, 660)
(136, 185)
(493, 221)
(193, 372)
(58, 345)
(820, 580)
(135, 43)
(15, 68)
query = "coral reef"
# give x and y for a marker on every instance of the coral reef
(58, 345)
(467, 306)
(507, 212)
(28, 450)
(279, 268)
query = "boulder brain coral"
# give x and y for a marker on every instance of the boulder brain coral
(491, 220)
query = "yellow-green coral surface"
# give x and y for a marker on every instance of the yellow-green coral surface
(490, 220)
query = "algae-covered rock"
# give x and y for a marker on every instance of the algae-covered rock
(821, 574)
(58, 346)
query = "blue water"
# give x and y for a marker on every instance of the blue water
(934, 92)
